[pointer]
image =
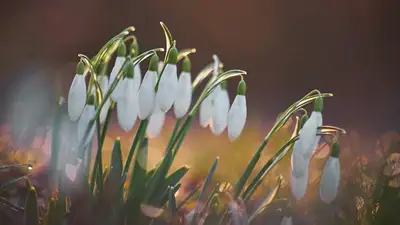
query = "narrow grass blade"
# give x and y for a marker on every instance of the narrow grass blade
(203, 191)
(188, 197)
(267, 201)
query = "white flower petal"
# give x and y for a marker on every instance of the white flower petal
(76, 97)
(299, 162)
(220, 112)
(205, 112)
(137, 73)
(83, 123)
(299, 185)
(330, 180)
(183, 95)
(167, 86)
(119, 61)
(127, 105)
(308, 138)
(156, 123)
(146, 95)
(237, 117)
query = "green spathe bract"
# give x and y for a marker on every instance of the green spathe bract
(154, 189)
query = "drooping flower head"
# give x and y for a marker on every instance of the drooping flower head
(238, 112)
(330, 179)
(77, 93)
(146, 95)
(168, 82)
(184, 90)
(119, 61)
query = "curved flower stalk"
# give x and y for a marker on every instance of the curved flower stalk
(206, 107)
(146, 94)
(77, 93)
(237, 113)
(127, 104)
(220, 110)
(119, 61)
(330, 179)
(104, 85)
(184, 90)
(87, 115)
(168, 82)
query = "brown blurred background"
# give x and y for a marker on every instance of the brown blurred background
(348, 47)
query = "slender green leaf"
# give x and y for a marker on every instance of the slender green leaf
(116, 162)
(203, 191)
(267, 201)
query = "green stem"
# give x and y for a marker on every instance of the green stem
(98, 164)
(138, 138)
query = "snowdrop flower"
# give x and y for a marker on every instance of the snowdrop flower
(104, 85)
(127, 104)
(167, 86)
(287, 220)
(146, 94)
(237, 113)
(206, 106)
(184, 90)
(156, 122)
(83, 123)
(77, 93)
(119, 61)
(308, 138)
(220, 110)
(330, 179)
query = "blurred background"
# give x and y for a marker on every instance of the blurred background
(347, 47)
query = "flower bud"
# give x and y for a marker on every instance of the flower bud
(172, 56)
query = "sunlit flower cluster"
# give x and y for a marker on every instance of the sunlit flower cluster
(304, 149)
(160, 91)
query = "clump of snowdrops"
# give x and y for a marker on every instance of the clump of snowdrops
(132, 193)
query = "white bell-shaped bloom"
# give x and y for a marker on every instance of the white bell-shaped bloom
(184, 91)
(156, 122)
(330, 179)
(118, 90)
(237, 113)
(206, 111)
(146, 94)
(71, 171)
(83, 123)
(220, 110)
(167, 87)
(127, 104)
(287, 220)
(77, 94)
(308, 138)
(104, 85)
(299, 185)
